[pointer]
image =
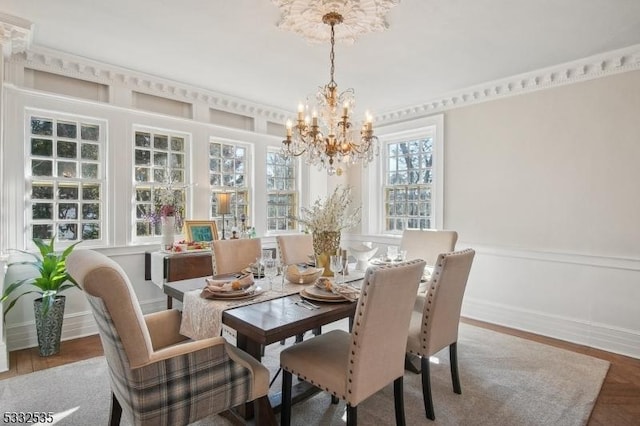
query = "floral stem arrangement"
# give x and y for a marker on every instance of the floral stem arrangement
(326, 219)
(330, 214)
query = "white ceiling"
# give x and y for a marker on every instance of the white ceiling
(432, 47)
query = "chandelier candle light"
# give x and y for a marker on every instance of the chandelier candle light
(327, 136)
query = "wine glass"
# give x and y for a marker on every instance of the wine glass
(266, 255)
(335, 264)
(270, 270)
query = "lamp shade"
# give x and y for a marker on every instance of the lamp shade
(224, 203)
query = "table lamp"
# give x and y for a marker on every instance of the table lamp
(224, 207)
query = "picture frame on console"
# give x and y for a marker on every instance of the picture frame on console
(201, 230)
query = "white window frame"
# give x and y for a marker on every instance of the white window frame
(156, 235)
(57, 180)
(374, 175)
(295, 192)
(232, 220)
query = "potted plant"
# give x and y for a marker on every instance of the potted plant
(49, 307)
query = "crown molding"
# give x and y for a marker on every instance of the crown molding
(15, 34)
(601, 65)
(48, 60)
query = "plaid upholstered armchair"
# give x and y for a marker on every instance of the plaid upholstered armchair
(159, 377)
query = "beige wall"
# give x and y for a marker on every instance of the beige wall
(553, 170)
(546, 187)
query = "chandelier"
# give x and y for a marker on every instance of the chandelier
(327, 136)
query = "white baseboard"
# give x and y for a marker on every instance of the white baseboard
(599, 336)
(80, 324)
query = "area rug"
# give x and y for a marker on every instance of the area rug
(505, 380)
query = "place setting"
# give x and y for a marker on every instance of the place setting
(231, 287)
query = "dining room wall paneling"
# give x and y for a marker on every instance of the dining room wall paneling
(544, 186)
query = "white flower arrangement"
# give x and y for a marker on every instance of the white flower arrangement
(330, 214)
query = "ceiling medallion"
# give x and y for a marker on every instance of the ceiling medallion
(304, 17)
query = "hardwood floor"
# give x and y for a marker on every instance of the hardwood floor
(618, 403)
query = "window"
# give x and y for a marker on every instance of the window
(408, 185)
(229, 172)
(282, 195)
(159, 178)
(65, 177)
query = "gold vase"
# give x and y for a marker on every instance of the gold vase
(325, 245)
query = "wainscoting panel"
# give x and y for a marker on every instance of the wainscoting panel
(584, 299)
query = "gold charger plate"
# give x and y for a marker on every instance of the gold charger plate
(318, 295)
(244, 294)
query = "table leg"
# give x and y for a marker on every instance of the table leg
(169, 302)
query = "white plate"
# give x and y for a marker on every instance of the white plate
(306, 295)
(255, 292)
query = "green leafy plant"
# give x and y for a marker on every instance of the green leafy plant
(53, 277)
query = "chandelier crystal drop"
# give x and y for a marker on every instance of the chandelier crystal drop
(323, 132)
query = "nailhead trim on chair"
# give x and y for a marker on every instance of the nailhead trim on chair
(354, 334)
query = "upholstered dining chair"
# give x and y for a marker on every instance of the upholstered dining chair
(157, 376)
(353, 366)
(230, 256)
(427, 244)
(295, 248)
(436, 316)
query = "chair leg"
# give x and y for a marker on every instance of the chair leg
(398, 400)
(426, 389)
(453, 360)
(264, 412)
(116, 411)
(352, 415)
(334, 399)
(285, 410)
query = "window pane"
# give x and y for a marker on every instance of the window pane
(41, 127)
(90, 231)
(42, 191)
(89, 151)
(67, 130)
(90, 171)
(42, 211)
(67, 211)
(89, 132)
(91, 211)
(41, 168)
(42, 147)
(143, 139)
(66, 169)
(90, 192)
(44, 232)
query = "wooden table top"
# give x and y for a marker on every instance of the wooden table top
(276, 319)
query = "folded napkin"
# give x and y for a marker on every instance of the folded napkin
(217, 286)
(350, 293)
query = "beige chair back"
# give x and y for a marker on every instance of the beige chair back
(427, 244)
(229, 256)
(380, 329)
(114, 304)
(295, 248)
(443, 303)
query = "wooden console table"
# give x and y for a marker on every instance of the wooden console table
(177, 267)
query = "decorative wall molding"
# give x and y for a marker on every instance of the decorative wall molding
(15, 34)
(304, 17)
(610, 262)
(599, 336)
(47, 60)
(614, 62)
(609, 63)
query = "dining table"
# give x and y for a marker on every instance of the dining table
(271, 316)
